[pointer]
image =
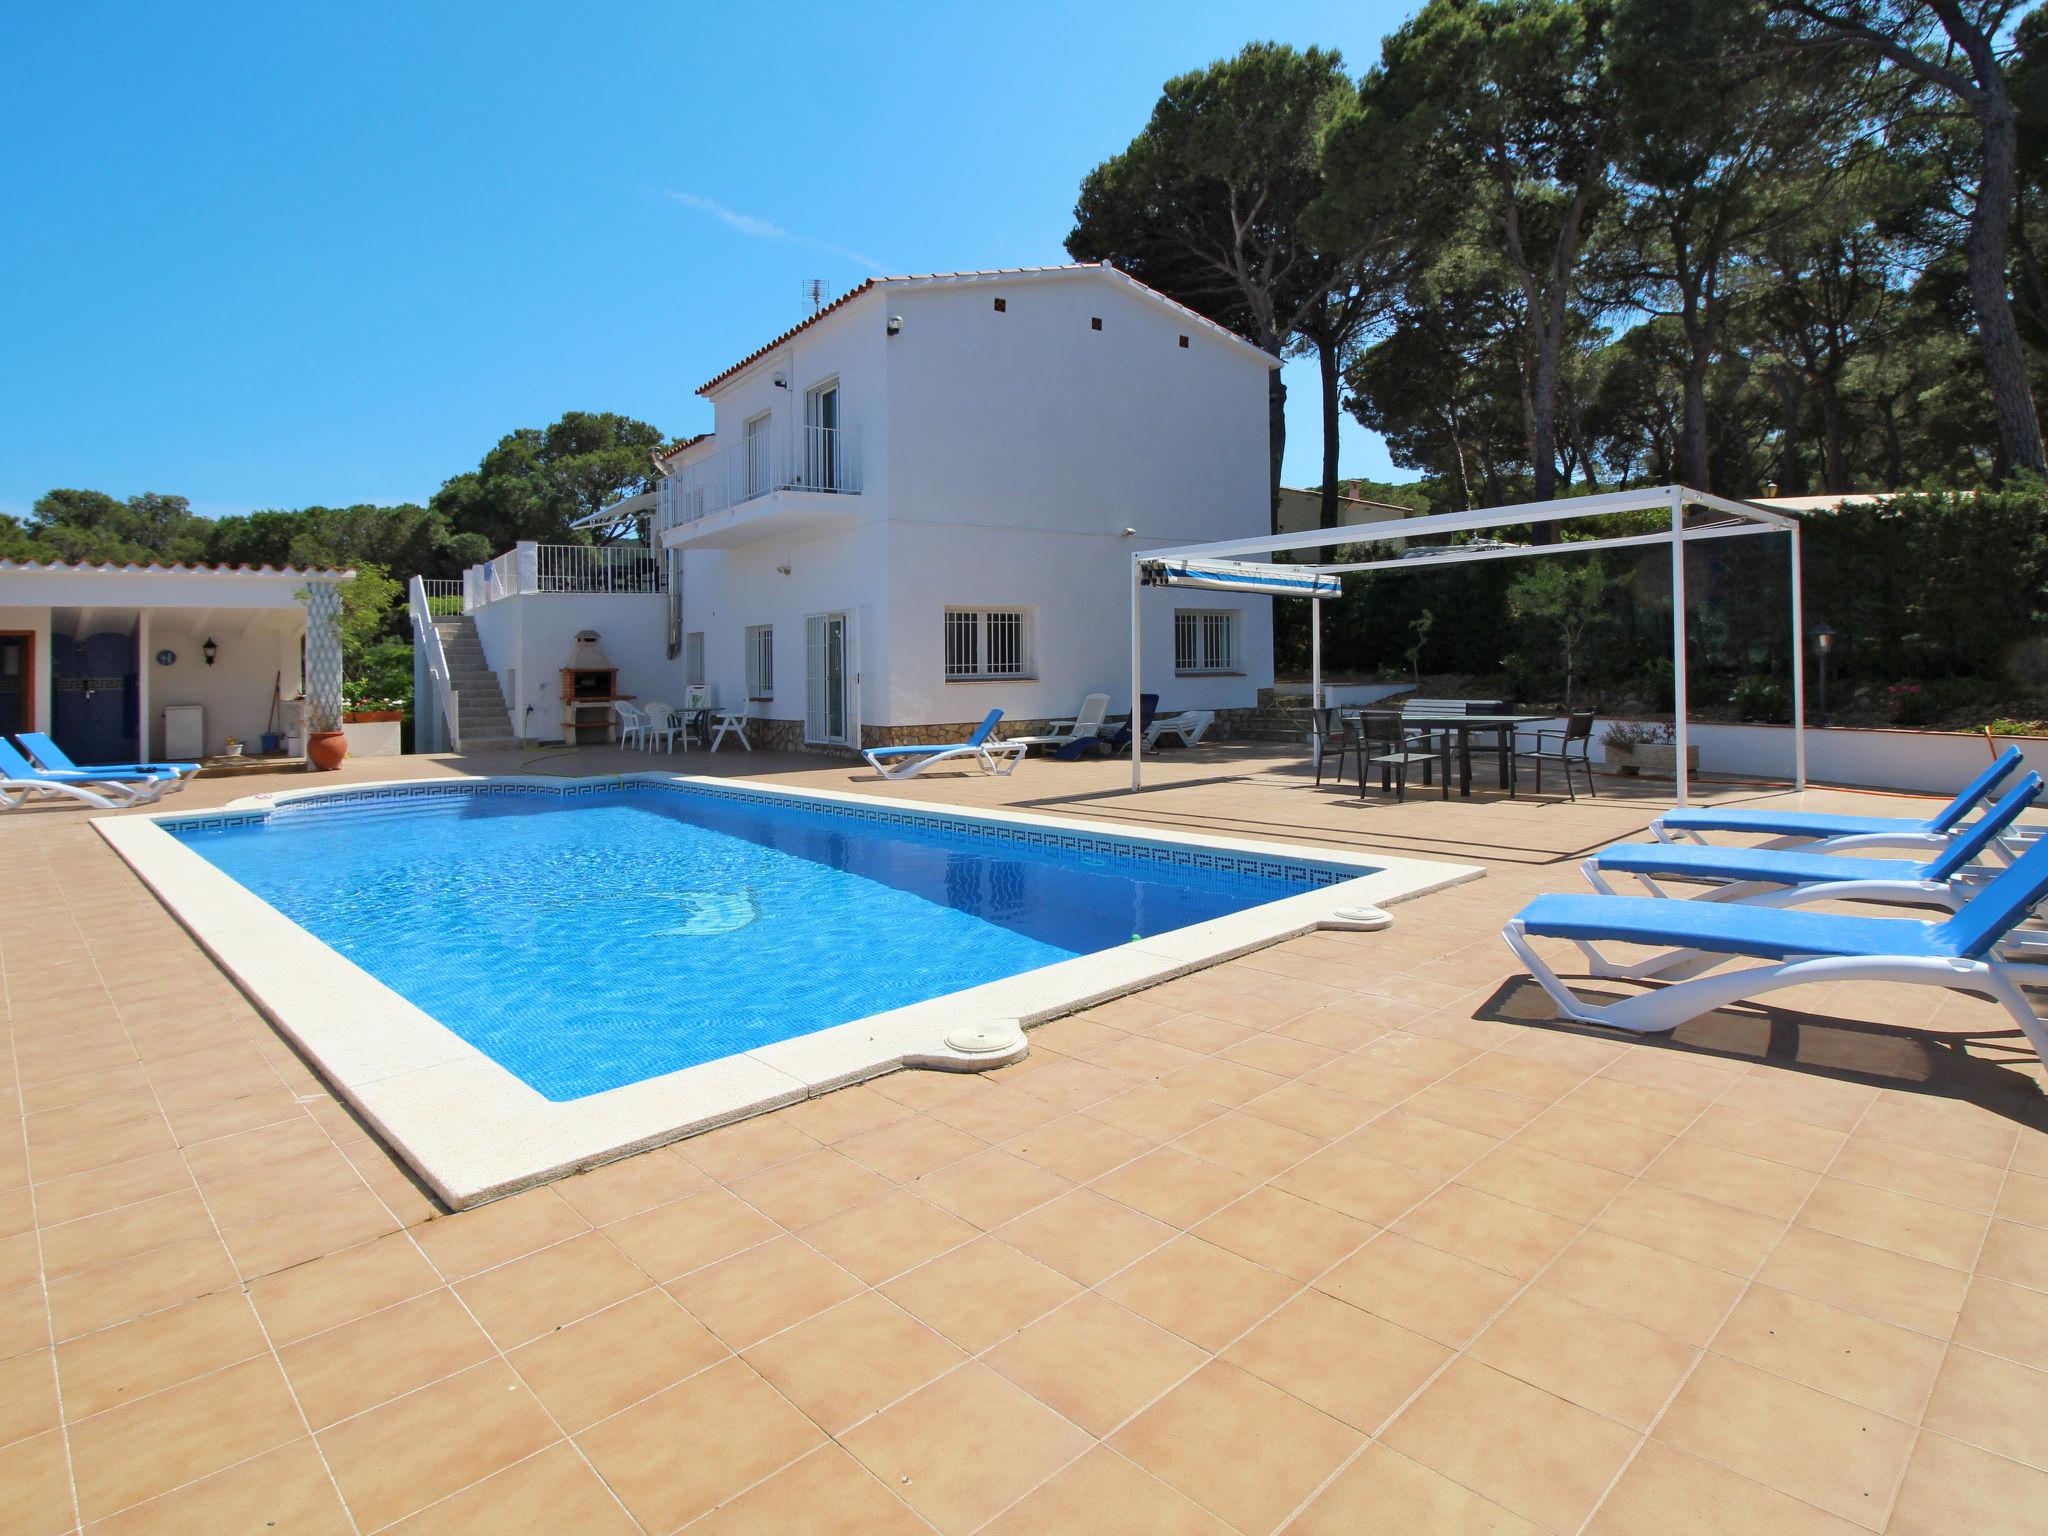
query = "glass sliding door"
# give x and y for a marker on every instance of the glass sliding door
(821, 438)
(827, 703)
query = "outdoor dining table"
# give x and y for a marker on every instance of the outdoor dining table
(1464, 725)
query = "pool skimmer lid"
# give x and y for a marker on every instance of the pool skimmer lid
(985, 1039)
(1368, 919)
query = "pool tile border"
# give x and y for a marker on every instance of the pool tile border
(473, 1131)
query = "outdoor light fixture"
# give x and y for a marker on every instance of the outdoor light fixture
(1823, 640)
(895, 326)
(209, 650)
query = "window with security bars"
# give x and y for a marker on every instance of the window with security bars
(760, 661)
(1204, 640)
(987, 643)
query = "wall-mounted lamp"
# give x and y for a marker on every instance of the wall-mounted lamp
(782, 570)
(895, 325)
(781, 381)
(209, 650)
(1130, 533)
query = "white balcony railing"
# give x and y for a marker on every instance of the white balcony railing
(589, 568)
(817, 459)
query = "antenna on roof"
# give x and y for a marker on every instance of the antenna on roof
(814, 293)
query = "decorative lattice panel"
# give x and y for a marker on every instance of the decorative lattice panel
(323, 656)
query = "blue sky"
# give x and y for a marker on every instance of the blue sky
(287, 255)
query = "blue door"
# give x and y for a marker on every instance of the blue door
(93, 700)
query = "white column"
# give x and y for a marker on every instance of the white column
(526, 566)
(323, 656)
(1798, 667)
(1315, 660)
(144, 752)
(1137, 682)
(1678, 639)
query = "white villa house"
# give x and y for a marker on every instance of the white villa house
(919, 504)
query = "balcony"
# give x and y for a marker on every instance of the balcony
(772, 484)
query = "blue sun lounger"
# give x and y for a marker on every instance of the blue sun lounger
(52, 759)
(1842, 831)
(20, 778)
(1962, 952)
(1791, 876)
(997, 757)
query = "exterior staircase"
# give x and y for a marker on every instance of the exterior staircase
(1278, 718)
(486, 726)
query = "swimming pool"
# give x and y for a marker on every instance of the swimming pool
(585, 943)
(512, 978)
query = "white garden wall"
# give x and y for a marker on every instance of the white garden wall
(1932, 762)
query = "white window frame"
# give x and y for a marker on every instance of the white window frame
(760, 647)
(757, 463)
(693, 659)
(1206, 642)
(971, 637)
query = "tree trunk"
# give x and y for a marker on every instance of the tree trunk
(2005, 365)
(1834, 467)
(1699, 473)
(1326, 363)
(1792, 391)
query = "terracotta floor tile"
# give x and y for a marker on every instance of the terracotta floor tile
(2015, 1253)
(2008, 1320)
(341, 1287)
(1835, 1454)
(1138, 1056)
(373, 1359)
(593, 1368)
(1731, 1178)
(1540, 1456)
(843, 1113)
(652, 1454)
(1499, 1234)
(746, 1298)
(1255, 1148)
(910, 1147)
(1611, 1144)
(1920, 1229)
(28, 1395)
(882, 1237)
(1000, 1112)
(1423, 1289)
(1323, 1113)
(1674, 1296)
(553, 1491)
(293, 1237)
(1358, 1183)
(1198, 1032)
(1705, 1231)
(1362, 1075)
(543, 1291)
(1384, 1491)
(1993, 1404)
(1620, 1370)
(1286, 1233)
(630, 1186)
(1078, 1147)
(991, 1187)
(1574, 1191)
(1199, 1291)
(287, 1489)
(124, 1233)
(1650, 1109)
(1085, 1236)
(853, 1360)
(921, 1089)
(1414, 1141)
(1794, 1142)
(980, 1293)
(1064, 1082)
(420, 1448)
(1153, 1110)
(1952, 1487)
(1841, 1353)
(102, 1370)
(1910, 1171)
(1667, 1493)
(156, 1443)
(467, 1242)
(809, 1188)
(1175, 1187)
(1351, 1364)
(1891, 1287)
(1981, 1139)
(734, 1151)
(38, 1483)
(100, 1298)
(1228, 1083)
(688, 1234)
(2025, 1199)
(1237, 1446)
(1103, 1492)
(932, 1449)
(1094, 1362)
(827, 1493)
(101, 1189)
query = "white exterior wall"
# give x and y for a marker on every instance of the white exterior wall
(1001, 457)
(37, 622)
(527, 639)
(253, 650)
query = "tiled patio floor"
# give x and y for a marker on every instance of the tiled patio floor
(1331, 1239)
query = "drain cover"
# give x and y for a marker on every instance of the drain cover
(984, 1039)
(1370, 918)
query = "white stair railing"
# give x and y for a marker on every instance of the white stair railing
(446, 702)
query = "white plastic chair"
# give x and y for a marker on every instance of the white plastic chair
(663, 725)
(632, 722)
(730, 719)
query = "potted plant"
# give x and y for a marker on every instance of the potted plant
(232, 747)
(361, 708)
(1645, 747)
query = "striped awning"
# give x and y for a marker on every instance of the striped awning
(1241, 576)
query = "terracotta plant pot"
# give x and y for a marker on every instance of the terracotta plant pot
(326, 749)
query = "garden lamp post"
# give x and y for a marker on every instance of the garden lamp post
(1823, 640)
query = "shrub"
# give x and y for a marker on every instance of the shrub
(1763, 698)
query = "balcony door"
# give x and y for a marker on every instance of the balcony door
(821, 437)
(828, 681)
(757, 457)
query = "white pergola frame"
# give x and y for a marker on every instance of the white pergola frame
(1735, 518)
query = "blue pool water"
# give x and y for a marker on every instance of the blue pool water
(596, 940)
